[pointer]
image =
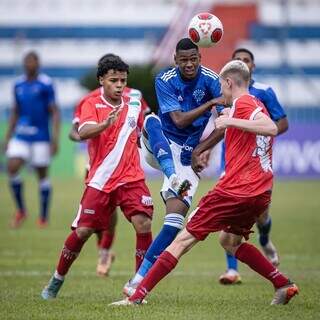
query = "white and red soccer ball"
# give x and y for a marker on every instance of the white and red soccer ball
(205, 30)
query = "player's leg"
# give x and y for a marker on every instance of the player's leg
(154, 142)
(71, 249)
(40, 160)
(251, 256)
(94, 214)
(45, 191)
(18, 152)
(106, 255)
(264, 223)
(163, 266)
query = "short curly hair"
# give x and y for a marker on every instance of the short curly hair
(111, 62)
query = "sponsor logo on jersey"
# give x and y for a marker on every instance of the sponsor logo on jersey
(89, 211)
(147, 200)
(100, 106)
(161, 152)
(180, 98)
(198, 95)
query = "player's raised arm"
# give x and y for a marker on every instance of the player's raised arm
(261, 124)
(90, 130)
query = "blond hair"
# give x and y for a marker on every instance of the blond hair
(238, 71)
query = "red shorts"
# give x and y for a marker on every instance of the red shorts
(217, 211)
(96, 207)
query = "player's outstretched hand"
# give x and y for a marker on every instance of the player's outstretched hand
(222, 122)
(113, 116)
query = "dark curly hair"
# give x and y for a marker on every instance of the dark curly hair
(111, 62)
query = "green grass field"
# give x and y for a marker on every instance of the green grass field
(28, 257)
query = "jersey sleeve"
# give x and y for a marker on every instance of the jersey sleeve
(77, 111)
(246, 109)
(88, 114)
(273, 106)
(167, 100)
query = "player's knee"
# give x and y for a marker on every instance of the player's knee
(152, 123)
(229, 243)
(84, 233)
(141, 223)
(13, 167)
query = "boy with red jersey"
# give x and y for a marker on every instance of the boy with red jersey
(240, 196)
(105, 238)
(115, 178)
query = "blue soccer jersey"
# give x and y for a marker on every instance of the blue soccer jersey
(33, 99)
(268, 97)
(176, 94)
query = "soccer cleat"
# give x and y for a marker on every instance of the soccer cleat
(52, 289)
(230, 277)
(270, 252)
(129, 289)
(18, 219)
(179, 188)
(284, 294)
(127, 302)
(42, 223)
(104, 263)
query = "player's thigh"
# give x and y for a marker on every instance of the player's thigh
(18, 152)
(263, 218)
(134, 199)
(95, 210)
(40, 154)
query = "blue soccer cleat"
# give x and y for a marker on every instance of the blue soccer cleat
(52, 289)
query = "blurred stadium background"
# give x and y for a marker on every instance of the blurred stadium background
(70, 36)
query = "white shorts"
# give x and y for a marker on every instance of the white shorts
(183, 172)
(36, 153)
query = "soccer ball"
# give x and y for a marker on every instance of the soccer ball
(205, 30)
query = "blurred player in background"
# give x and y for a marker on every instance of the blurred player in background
(110, 122)
(242, 194)
(105, 238)
(29, 138)
(268, 97)
(186, 94)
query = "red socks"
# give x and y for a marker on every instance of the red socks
(250, 255)
(163, 265)
(106, 240)
(70, 252)
(142, 244)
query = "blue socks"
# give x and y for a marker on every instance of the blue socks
(264, 231)
(232, 262)
(173, 223)
(16, 186)
(45, 195)
(160, 145)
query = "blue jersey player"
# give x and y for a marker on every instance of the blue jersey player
(28, 137)
(186, 94)
(266, 94)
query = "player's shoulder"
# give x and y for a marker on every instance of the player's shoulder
(260, 86)
(132, 93)
(167, 74)
(208, 74)
(20, 80)
(44, 79)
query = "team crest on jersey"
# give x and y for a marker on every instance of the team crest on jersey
(132, 122)
(198, 95)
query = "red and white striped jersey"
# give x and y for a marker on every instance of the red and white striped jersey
(248, 155)
(127, 92)
(114, 157)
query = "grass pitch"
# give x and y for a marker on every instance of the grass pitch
(28, 257)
